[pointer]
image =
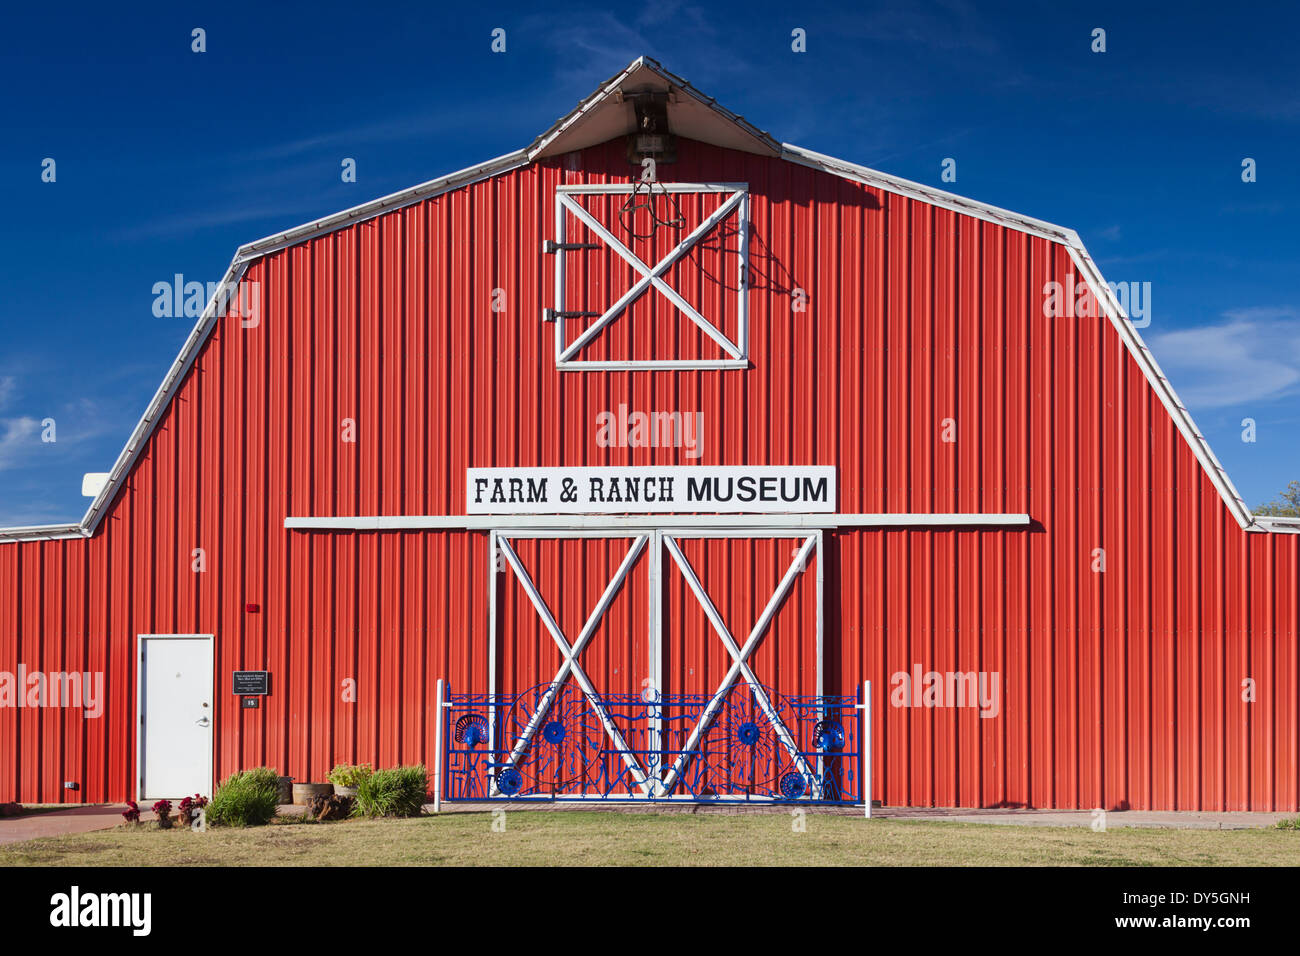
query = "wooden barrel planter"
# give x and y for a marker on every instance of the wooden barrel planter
(304, 792)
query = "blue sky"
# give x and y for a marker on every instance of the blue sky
(167, 160)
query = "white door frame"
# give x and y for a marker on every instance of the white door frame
(501, 556)
(139, 703)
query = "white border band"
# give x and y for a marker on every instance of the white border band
(662, 521)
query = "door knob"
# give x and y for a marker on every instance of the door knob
(202, 721)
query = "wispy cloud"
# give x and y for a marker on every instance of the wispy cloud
(185, 223)
(18, 438)
(260, 178)
(80, 424)
(1251, 357)
(426, 122)
(593, 46)
(32, 510)
(1233, 94)
(1268, 208)
(944, 27)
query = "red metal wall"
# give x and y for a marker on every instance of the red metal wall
(739, 576)
(1120, 689)
(571, 575)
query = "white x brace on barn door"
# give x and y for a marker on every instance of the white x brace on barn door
(573, 219)
(657, 761)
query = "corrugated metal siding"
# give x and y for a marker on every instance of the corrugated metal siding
(571, 575)
(1120, 689)
(739, 576)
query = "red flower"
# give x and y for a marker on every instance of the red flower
(189, 808)
(132, 812)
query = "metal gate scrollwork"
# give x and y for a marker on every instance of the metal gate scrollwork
(739, 754)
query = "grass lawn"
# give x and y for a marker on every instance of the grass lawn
(605, 838)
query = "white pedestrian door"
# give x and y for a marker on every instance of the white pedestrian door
(175, 742)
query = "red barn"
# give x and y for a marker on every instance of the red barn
(660, 408)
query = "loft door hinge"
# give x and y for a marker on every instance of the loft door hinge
(550, 246)
(550, 315)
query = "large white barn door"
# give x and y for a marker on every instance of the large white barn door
(651, 665)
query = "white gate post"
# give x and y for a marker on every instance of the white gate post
(437, 752)
(866, 747)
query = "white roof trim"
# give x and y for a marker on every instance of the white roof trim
(760, 141)
(203, 327)
(1129, 335)
(377, 207)
(522, 157)
(928, 194)
(1277, 524)
(43, 532)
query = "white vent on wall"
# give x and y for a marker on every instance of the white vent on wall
(92, 483)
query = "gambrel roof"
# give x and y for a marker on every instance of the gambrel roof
(605, 115)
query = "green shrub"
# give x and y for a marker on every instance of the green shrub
(247, 798)
(264, 777)
(399, 792)
(349, 775)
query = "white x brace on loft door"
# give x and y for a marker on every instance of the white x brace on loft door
(603, 273)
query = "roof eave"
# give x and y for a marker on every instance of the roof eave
(762, 142)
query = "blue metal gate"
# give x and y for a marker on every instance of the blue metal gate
(551, 743)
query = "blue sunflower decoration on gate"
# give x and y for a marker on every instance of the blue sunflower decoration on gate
(828, 734)
(566, 751)
(793, 785)
(553, 732)
(471, 730)
(509, 781)
(743, 751)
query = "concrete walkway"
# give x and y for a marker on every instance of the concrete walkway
(77, 819)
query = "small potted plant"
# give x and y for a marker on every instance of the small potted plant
(132, 812)
(188, 809)
(347, 777)
(164, 810)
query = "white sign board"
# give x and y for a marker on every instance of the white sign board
(650, 489)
